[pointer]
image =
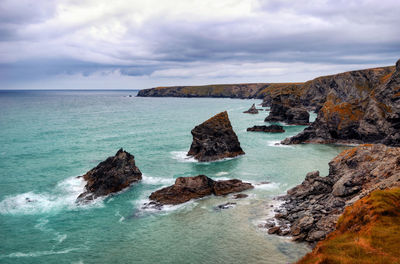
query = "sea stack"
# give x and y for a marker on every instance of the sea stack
(285, 108)
(110, 176)
(252, 110)
(214, 140)
(187, 188)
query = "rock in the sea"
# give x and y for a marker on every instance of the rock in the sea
(268, 129)
(225, 206)
(110, 176)
(214, 140)
(240, 196)
(285, 108)
(312, 208)
(187, 188)
(252, 110)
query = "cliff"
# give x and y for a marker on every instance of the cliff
(364, 108)
(367, 232)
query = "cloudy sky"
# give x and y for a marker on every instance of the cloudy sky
(129, 44)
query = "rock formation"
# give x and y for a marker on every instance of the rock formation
(370, 115)
(110, 176)
(188, 188)
(285, 108)
(311, 209)
(215, 139)
(268, 129)
(252, 110)
(369, 227)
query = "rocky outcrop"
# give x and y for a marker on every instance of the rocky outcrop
(110, 176)
(252, 110)
(369, 227)
(214, 140)
(188, 188)
(267, 129)
(310, 210)
(285, 108)
(368, 112)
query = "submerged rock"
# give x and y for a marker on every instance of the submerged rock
(187, 188)
(225, 206)
(214, 140)
(252, 110)
(312, 208)
(110, 176)
(268, 129)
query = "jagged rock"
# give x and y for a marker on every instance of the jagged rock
(268, 129)
(252, 110)
(312, 208)
(215, 139)
(187, 188)
(370, 115)
(225, 206)
(285, 108)
(240, 196)
(110, 176)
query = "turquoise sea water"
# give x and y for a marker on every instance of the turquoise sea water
(47, 138)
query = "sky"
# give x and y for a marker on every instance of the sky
(135, 44)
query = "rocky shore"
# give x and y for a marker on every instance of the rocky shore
(110, 176)
(188, 188)
(215, 139)
(310, 210)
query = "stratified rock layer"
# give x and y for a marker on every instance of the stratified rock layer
(311, 209)
(214, 140)
(267, 129)
(188, 188)
(110, 176)
(252, 110)
(369, 114)
(285, 108)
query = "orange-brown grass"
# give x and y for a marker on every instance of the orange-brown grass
(367, 232)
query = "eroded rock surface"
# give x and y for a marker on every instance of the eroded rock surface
(311, 209)
(215, 139)
(267, 129)
(252, 110)
(110, 176)
(285, 108)
(188, 188)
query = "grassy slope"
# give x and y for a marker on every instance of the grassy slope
(367, 232)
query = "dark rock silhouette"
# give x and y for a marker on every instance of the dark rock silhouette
(252, 110)
(267, 129)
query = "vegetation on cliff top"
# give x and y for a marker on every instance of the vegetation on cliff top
(367, 232)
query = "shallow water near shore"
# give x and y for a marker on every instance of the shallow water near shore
(47, 138)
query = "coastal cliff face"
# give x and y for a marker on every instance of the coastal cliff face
(110, 176)
(366, 110)
(311, 209)
(367, 232)
(286, 108)
(215, 139)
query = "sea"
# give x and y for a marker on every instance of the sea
(48, 138)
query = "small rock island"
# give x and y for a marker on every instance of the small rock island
(267, 129)
(187, 188)
(252, 110)
(214, 140)
(110, 176)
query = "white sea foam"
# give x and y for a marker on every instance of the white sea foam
(221, 173)
(267, 186)
(63, 197)
(37, 253)
(277, 143)
(182, 157)
(156, 180)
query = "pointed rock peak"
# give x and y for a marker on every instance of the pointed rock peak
(119, 152)
(398, 65)
(221, 119)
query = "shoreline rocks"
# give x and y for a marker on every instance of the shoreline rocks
(311, 209)
(110, 176)
(215, 139)
(284, 108)
(267, 129)
(252, 110)
(188, 188)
